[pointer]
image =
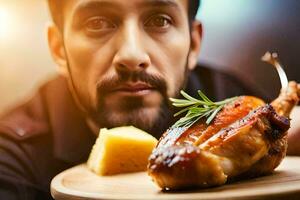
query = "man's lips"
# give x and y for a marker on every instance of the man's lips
(133, 88)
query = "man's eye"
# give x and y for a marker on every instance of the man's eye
(96, 24)
(158, 21)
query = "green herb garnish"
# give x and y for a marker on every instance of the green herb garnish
(197, 108)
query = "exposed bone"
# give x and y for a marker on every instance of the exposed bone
(272, 58)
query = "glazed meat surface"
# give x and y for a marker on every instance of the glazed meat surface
(247, 138)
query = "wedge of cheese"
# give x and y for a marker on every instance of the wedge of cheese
(120, 150)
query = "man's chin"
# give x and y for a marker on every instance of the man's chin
(153, 120)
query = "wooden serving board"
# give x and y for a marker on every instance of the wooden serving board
(80, 183)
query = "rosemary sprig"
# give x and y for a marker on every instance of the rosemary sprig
(197, 108)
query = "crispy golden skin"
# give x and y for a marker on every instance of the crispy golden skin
(246, 139)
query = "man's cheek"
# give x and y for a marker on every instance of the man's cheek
(175, 78)
(175, 73)
(80, 52)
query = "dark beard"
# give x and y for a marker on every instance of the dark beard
(136, 117)
(100, 114)
(133, 106)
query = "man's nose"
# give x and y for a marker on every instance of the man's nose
(131, 54)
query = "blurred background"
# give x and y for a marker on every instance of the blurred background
(236, 34)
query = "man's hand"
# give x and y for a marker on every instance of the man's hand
(294, 133)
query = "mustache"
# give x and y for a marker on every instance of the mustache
(106, 85)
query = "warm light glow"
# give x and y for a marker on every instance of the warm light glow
(6, 23)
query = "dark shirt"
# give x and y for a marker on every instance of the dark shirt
(48, 134)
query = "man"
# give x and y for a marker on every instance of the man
(119, 62)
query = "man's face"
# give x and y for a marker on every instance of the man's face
(126, 58)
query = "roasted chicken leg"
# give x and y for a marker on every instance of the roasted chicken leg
(247, 138)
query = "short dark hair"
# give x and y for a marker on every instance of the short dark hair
(56, 6)
(193, 9)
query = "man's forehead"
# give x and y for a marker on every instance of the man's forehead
(82, 5)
